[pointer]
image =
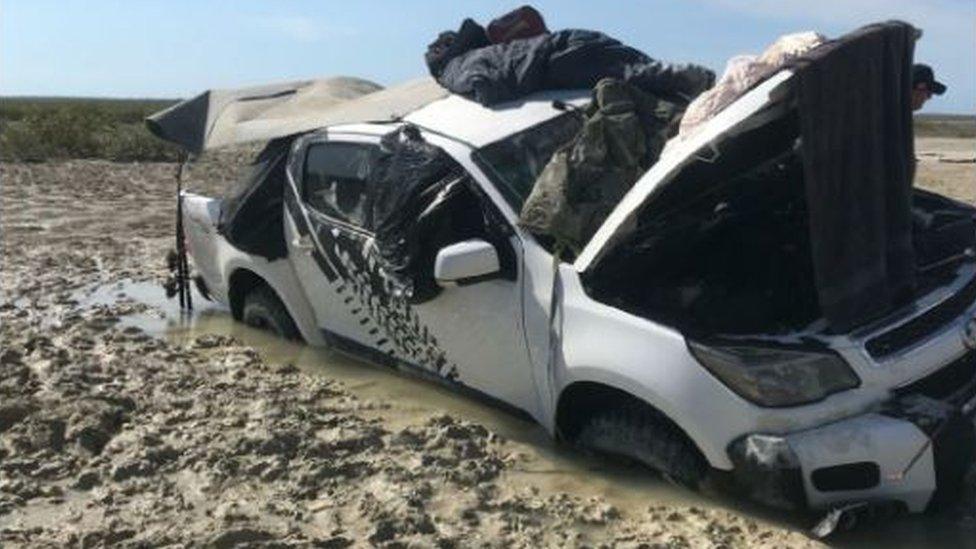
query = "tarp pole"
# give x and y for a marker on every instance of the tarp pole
(182, 264)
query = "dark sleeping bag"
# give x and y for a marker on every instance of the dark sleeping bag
(855, 113)
(568, 59)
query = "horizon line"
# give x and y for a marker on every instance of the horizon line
(130, 98)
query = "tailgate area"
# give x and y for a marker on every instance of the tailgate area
(200, 217)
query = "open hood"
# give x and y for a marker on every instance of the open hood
(848, 102)
(753, 109)
(217, 118)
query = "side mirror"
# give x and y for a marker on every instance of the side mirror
(465, 262)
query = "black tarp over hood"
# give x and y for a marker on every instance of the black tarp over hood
(854, 104)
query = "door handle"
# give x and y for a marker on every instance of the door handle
(303, 243)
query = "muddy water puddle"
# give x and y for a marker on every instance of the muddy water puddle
(408, 400)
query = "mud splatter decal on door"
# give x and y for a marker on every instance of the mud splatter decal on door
(347, 260)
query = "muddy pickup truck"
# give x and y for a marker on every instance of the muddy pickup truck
(686, 334)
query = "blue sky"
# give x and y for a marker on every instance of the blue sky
(176, 48)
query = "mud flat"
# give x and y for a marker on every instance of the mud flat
(947, 166)
(123, 423)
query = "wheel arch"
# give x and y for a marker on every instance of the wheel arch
(240, 283)
(579, 399)
(244, 272)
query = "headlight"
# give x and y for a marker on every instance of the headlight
(777, 377)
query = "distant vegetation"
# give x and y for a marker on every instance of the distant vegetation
(945, 125)
(36, 129)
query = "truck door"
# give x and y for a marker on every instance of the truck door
(327, 205)
(468, 333)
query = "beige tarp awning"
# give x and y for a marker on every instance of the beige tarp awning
(223, 117)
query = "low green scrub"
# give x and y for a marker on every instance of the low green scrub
(35, 130)
(945, 125)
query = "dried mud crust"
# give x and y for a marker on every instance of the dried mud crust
(109, 436)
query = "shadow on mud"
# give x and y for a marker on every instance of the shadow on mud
(554, 467)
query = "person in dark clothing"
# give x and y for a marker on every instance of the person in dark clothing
(924, 85)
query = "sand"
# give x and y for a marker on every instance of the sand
(112, 435)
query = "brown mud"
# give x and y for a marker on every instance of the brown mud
(123, 422)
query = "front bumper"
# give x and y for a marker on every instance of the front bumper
(915, 449)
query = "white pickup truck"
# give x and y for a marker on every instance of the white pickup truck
(603, 352)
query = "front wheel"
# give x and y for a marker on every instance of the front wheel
(636, 433)
(263, 310)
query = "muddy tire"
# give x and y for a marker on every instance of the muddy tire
(264, 311)
(640, 434)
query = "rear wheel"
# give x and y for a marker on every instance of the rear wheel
(263, 310)
(638, 433)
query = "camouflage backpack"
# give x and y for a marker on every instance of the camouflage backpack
(622, 136)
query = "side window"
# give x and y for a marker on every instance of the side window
(335, 181)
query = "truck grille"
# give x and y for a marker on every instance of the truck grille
(919, 328)
(953, 382)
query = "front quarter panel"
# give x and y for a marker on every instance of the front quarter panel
(603, 344)
(652, 362)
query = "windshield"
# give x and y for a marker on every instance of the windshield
(515, 162)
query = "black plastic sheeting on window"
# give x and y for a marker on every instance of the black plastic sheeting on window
(251, 214)
(423, 202)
